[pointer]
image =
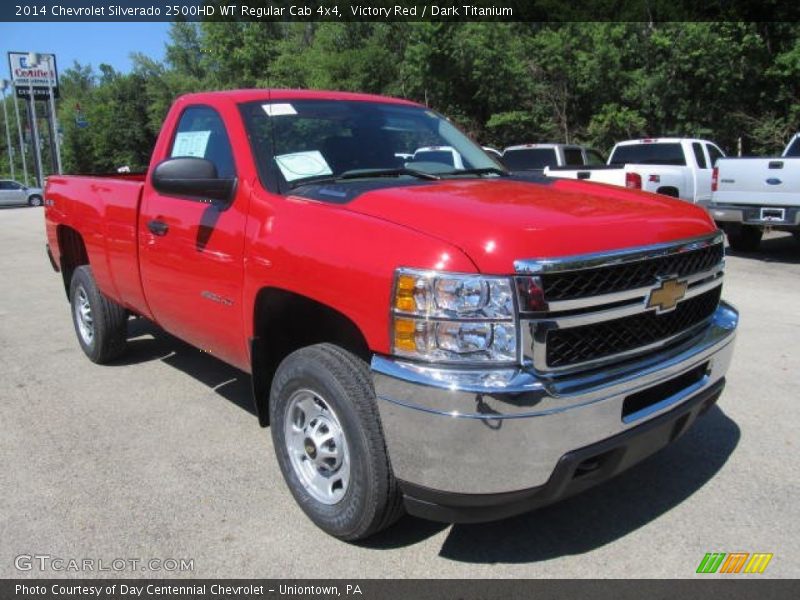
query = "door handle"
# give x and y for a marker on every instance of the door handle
(157, 227)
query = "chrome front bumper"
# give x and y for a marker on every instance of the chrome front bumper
(504, 430)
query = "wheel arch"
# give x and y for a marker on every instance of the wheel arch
(72, 253)
(669, 190)
(284, 321)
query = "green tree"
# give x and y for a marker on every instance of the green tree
(77, 83)
(504, 83)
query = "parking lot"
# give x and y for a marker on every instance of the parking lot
(160, 456)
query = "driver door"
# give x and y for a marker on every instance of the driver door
(191, 252)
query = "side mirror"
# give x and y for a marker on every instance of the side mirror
(194, 178)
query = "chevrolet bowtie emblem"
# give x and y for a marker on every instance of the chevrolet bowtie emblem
(666, 295)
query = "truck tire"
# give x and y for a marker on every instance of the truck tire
(35, 200)
(329, 442)
(100, 323)
(745, 238)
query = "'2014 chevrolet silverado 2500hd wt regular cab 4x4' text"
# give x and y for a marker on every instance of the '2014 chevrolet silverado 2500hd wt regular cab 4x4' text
(461, 344)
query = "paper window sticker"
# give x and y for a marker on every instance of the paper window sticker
(276, 110)
(300, 165)
(191, 143)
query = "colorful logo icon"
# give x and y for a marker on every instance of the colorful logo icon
(734, 562)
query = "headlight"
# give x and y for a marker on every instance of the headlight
(449, 317)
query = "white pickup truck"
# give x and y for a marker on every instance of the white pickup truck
(678, 167)
(751, 195)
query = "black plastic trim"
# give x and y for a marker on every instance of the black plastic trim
(347, 191)
(52, 260)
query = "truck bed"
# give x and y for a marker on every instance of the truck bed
(104, 209)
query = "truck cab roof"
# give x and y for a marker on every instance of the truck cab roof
(660, 140)
(544, 146)
(272, 94)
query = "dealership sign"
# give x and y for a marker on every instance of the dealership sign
(41, 77)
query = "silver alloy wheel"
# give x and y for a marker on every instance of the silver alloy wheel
(35, 201)
(317, 446)
(83, 316)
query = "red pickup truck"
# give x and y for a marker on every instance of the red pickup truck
(459, 343)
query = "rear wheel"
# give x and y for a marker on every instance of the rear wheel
(745, 238)
(329, 442)
(100, 323)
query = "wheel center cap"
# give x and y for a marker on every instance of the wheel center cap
(310, 448)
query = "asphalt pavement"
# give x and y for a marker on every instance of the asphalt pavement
(160, 457)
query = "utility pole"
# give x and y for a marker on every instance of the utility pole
(51, 140)
(33, 62)
(3, 86)
(55, 141)
(19, 132)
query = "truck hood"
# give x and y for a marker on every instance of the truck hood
(498, 221)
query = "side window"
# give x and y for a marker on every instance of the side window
(201, 133)
(794, 149)
(573, 157)
(714, 153)
(699, 156)
(5, 185)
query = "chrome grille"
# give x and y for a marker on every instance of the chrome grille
(597, 305)
(590, 342)
(605, 280)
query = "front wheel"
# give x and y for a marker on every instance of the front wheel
(329, 442)
(35, 200)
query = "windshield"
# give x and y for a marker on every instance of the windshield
(303, 141)
(668, 153)
(529, 159)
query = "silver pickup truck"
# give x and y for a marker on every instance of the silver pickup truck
(752, 195)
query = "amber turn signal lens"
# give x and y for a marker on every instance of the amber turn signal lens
(404, 335)
(404, 295)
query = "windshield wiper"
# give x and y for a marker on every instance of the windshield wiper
(366, 173)
(362, 174)
(311, 181)
(481, 171)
